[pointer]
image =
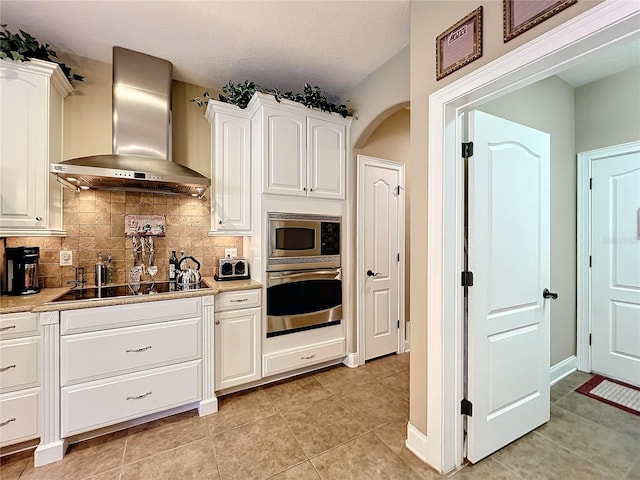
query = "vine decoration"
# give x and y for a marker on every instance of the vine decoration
(240, 94)
(21, 47)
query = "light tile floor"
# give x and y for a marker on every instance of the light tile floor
(342, 423)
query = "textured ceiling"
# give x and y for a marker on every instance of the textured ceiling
(332, 44)
(609, 62)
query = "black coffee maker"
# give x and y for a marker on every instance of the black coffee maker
(22, 270)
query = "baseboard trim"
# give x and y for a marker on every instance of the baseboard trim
(407, 346)
(207, 407)
(351, 360)
(416, 442)
(49, 453)
(562, 369)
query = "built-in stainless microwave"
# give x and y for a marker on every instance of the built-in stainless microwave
(303, 241)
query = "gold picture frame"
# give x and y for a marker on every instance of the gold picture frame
(459, 45)
(521, 15)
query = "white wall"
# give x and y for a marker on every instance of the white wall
(608, 111)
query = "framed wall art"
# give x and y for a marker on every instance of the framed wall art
(521, 15)
(459, 45)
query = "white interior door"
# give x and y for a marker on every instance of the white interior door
(615, 271)
(508, 251)
(380, 187)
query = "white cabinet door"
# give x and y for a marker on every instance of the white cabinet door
(326, 159)
(285, 153)
(31, 97)
(231, 150)
(236, 346)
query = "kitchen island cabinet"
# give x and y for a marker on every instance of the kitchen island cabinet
(31, 130)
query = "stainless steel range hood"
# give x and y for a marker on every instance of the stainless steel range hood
(141, 159)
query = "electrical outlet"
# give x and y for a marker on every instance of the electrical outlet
(231, 252)
(66, 258)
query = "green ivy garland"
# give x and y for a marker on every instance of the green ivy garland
(22, 46)
(240, 94)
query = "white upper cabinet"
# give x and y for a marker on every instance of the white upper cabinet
(31, 111)
(304, 151)
(326, 158)
(231, 168)
(285, 152)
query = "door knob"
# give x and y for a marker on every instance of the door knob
(547, 294)
(371, 273)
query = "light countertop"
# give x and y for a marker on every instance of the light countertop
(39, 302)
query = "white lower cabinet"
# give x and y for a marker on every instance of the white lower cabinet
(19, 378)
(237, 338)
(97, 404)
(19, 415)
(110, 375)
(292, 359)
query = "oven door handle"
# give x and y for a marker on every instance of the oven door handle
(311, 275)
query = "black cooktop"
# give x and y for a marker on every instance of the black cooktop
(95, 293)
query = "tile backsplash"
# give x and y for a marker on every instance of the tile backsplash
(94, 221)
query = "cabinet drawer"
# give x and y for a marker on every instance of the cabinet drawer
(115, 316)
(18, 416)
(18, 363)
(106, 402)
(301, 357)
(14, 325)
(237, 300)
(88, 356)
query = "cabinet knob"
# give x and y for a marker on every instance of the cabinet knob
(217, 322)
(39, 219)
(311, 189)
(219, 222)
(304, 188)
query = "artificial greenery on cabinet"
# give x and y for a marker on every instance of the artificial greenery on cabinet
(23, 46)
(240, 94)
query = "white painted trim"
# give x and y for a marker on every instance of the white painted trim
(49, 453)
(573, 42)
(364, 160)
(206, 407)
(562, 369)
(583, 273)
(416, 442)
(583, 301)
(407, 336)
(351, 360)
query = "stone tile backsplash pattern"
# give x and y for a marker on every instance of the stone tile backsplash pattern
(94, 221)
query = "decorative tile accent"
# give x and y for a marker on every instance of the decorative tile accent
(94, 221)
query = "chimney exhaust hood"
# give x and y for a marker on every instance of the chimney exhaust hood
(141, 159)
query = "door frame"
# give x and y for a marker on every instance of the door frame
(583, 300)
(573, 42)
(364, 160)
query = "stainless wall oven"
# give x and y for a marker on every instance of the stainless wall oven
(303, 299)
(301, 241)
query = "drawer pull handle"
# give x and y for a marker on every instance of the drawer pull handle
(308, 358)
(4, 369)
(240, 300)
(8, 327)
(7, 422)
(142, 349)
(138, 397)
